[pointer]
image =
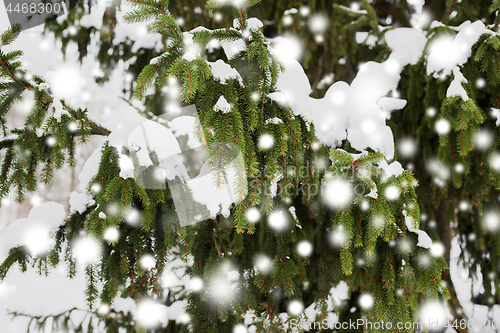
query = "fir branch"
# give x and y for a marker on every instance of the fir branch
(16, 254)
(11, 34)
(448, 13)
(98, 129)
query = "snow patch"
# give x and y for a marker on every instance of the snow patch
(78, 202)
(34, 232)
(456, 88)
(448, 52)
(222, 105)
(224, 72)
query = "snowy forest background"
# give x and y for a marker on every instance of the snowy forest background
(91, 59)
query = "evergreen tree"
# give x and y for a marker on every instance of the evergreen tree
(376, 252)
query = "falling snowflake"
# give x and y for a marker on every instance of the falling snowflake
(67, 81)
(431, 112)
(318, 23)
(304, 11)
(433, 312)
(133, 217)
(36, 199)
(442, 126)
(184, 318)
(96, 188)
(355, 6)
(287, 20)
(295, 307)
(196, 284)
(304, 248)
(150, 314)
(338, 237)
(366, 301)
(463, 206)
(491, 221)
(459, 168)
(437, 250)
(87, 250)
(104, 310)
(392, 66)
(266, 141)
(424, 261)
(407, 148)
(240, 328)
(404, 246)
(160, 174)
(288, 47)
(252, 215)
(392, 192)
(483, 139)
(277, 220)
(379, 222)
(263, 263)
(494, 161)
(37, 239)
(112, 208)
(221, 284)
(255, 96)
(338, 193)
(50, 141)
(111, 234)
(480, 83)
(148, 261)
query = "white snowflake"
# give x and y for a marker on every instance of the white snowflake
(133, 217)
(240, 328)
(266, 141)
(483, 139)
(318, 23)
(338, 193)
(263, 263)
(252, 215)
(295, 307)
(150, 313)
(392, 192)
(111, 234)
(366, 301)
(407, 148)
(494, 162)
(442, 126)
(87, 250)
(304, 248)
(148, 261)
(277, 220)
(491, 221)
(437, 250)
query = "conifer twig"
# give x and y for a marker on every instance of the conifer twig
(374, 23)
(99, 129)
(4, 65)
(96, 127)
(448, 13)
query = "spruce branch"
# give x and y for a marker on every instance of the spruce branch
(11, 34)
(373, 21)
(98, 129)
(448, 12)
